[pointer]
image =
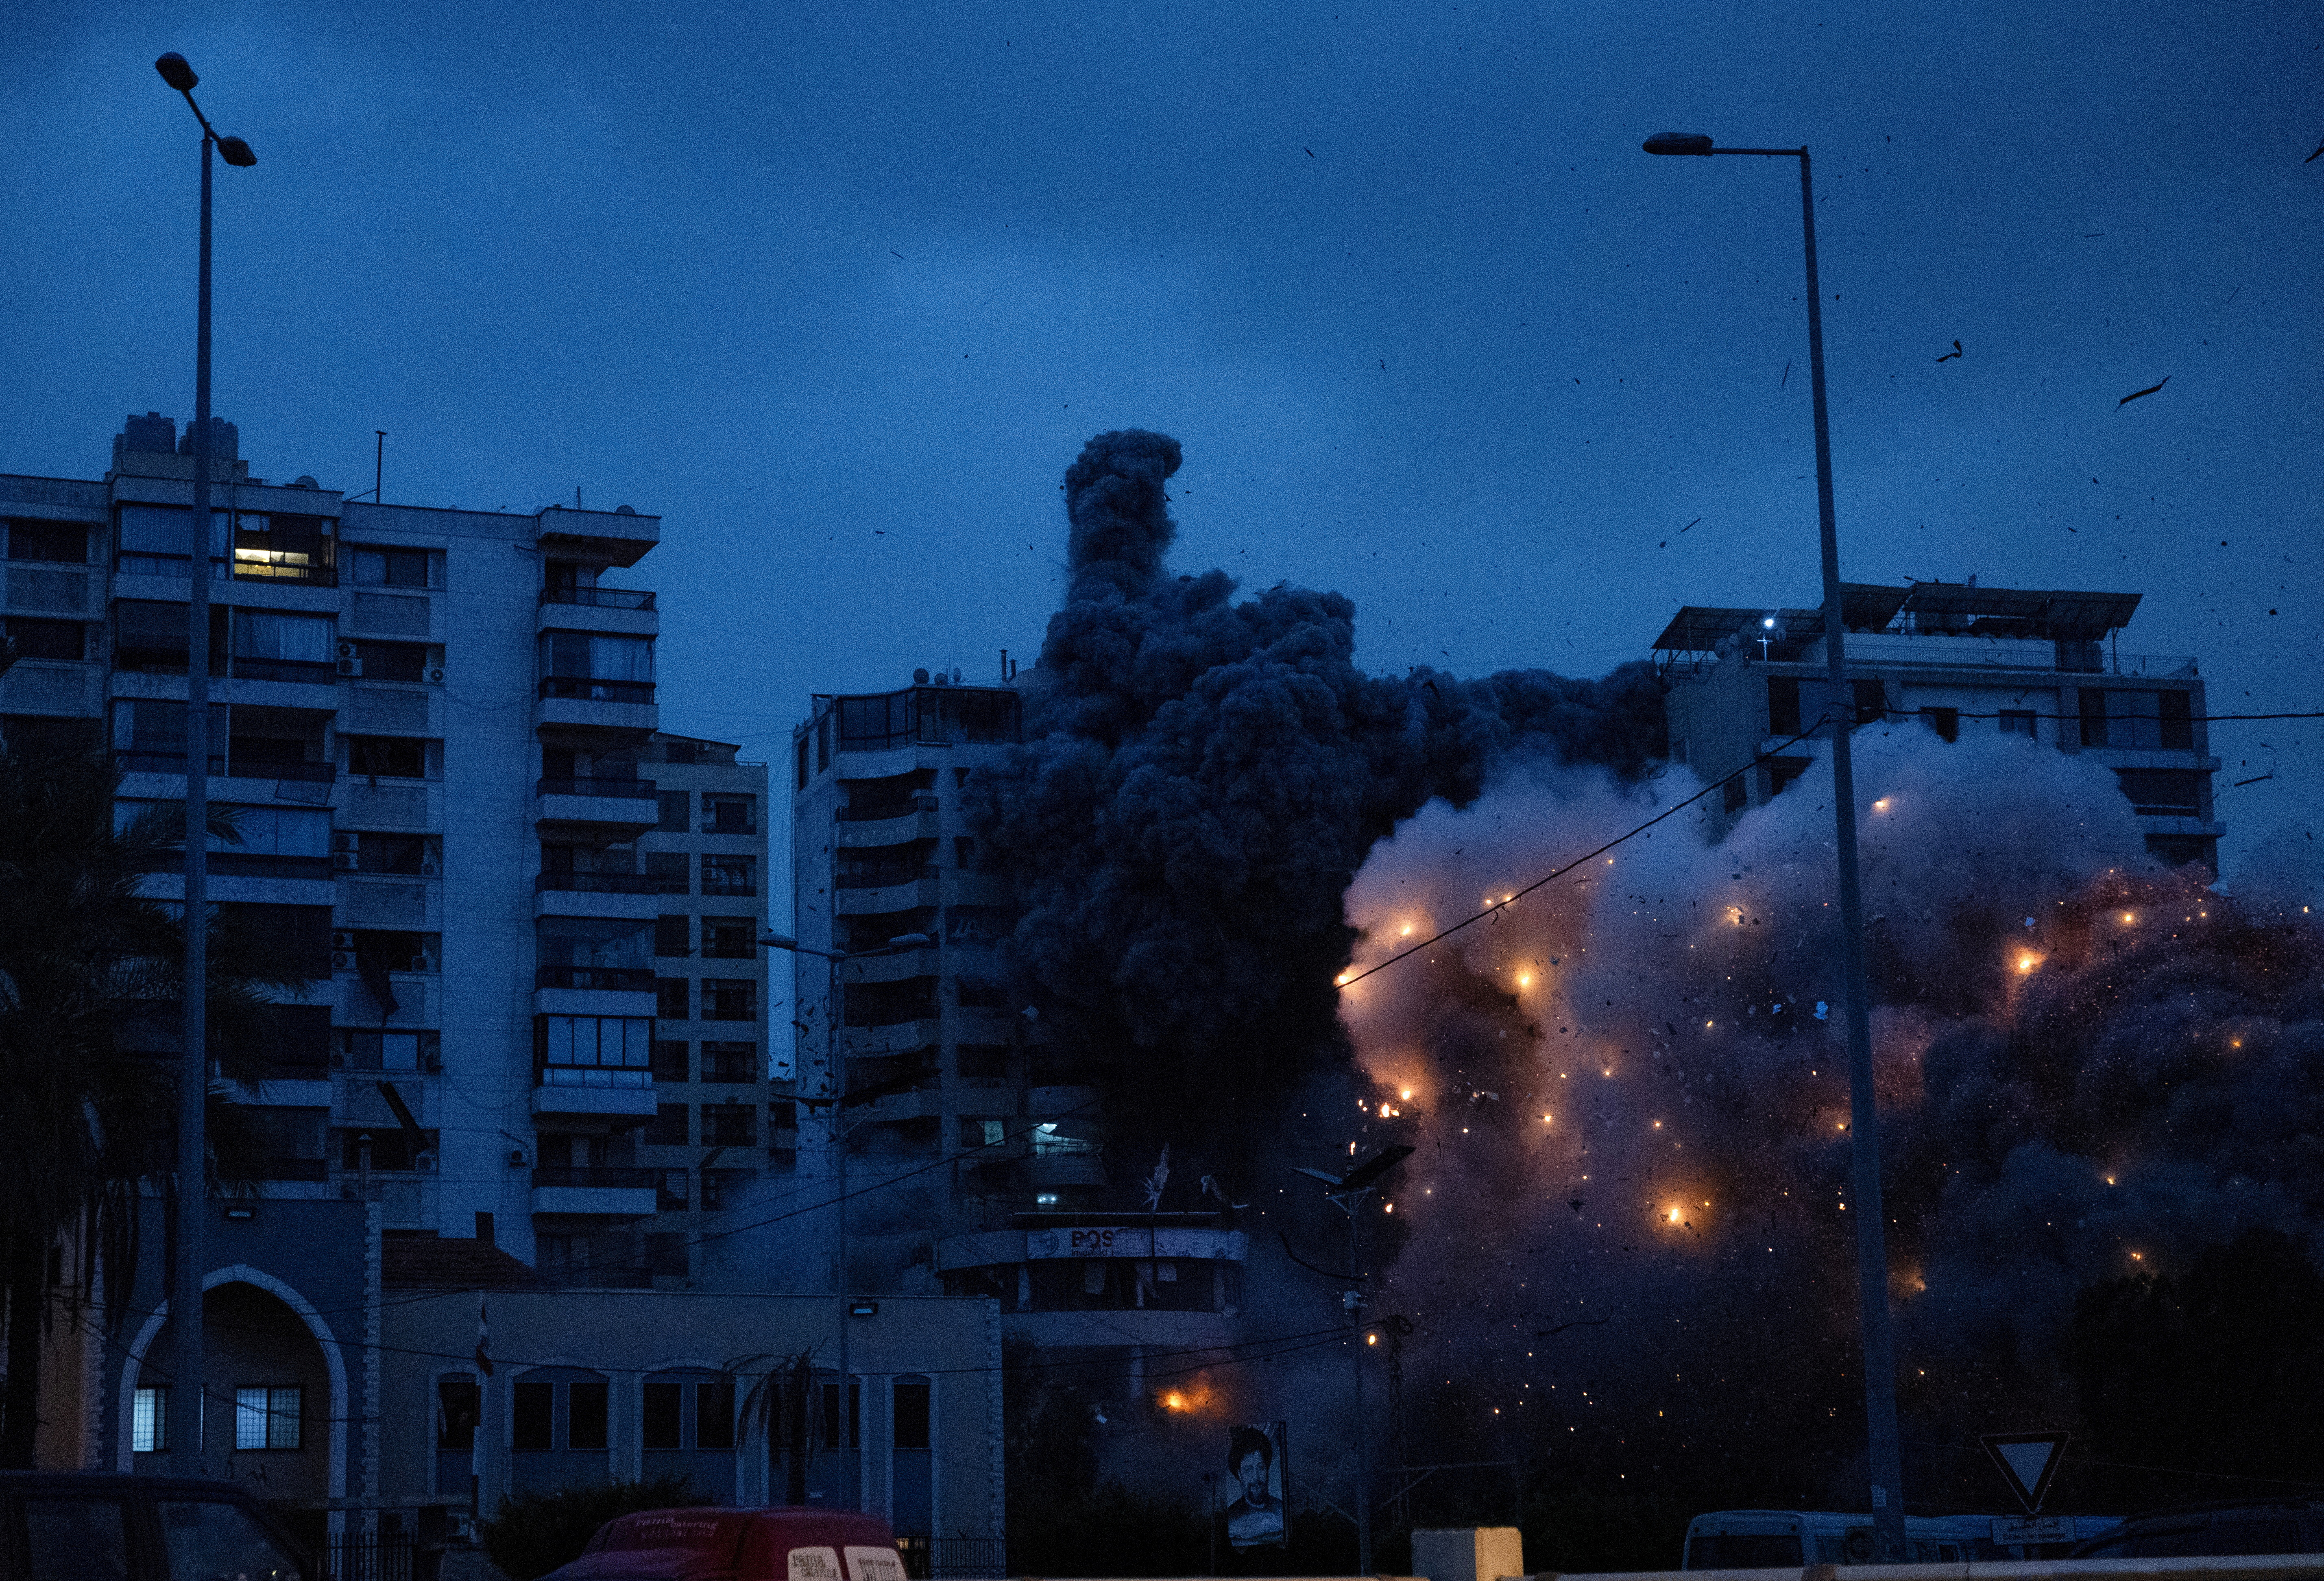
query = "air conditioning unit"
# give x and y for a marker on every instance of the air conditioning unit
(422, 962)
(343, 941)
(343, 960)
(436, 673)
(427, 868)
(346, 650)
(350, 666)
(345, 861)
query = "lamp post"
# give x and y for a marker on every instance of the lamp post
(1864, 1122)
(194, 1074)
(835, 1059)
(1347, 1192)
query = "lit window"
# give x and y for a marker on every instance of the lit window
(149, 1421)
(267, 1417)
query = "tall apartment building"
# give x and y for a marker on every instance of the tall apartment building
(433, 725)
(2045, 666)
(974, 1143)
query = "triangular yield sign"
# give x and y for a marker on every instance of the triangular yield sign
(2028, 1462)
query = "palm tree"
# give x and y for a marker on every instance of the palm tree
(90, 971)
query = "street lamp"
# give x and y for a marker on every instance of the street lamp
(1871, 1238)
(1348, 1192)
(835, 1059)
(194, 1070)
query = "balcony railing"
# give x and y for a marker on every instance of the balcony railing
(884, 878)
(582, 688)
(603, 1176)
(880, 811)
(596, 1075)
(599, 598)
(598, 884)
(626, 790)
(306, 671)
(618, 979)
(310, 773)
(161, 762)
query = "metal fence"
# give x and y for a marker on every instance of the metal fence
(369, 1555)
(952, 1558)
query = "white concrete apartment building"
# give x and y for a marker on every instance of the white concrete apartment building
(975, 1141)
(438, 727)
(2044, 665)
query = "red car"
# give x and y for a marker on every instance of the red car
(714, 1544)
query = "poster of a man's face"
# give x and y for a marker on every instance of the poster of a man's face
(1255, 1458)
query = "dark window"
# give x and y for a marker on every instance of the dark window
(534, 1415)
(154, 637)
(730, 999)
(585, 1402)
(670, 1062)
(586, 655)
(297, 937)
(2094, 717)
(395, 757)
(667, 1127)
(362, 1048)
(673, 812)
(38, 734)
(730, 1062)
(2162, 792)
(672, 873)
(2017, 722)
(983, 1061)
(390, 661)
(1783, 705)
(830, 1414)
(1783, 771)
(802, 763)
(1945, 722)
(673, 935)
(724, 1188)
(408, 853)
(2176, 719)
(62, 542)
(714, 1414)
(823, 743)
(456, 1413)
(730, 1124)
(911, 1414)
(729, 815)
(673, 998)
(46, 638)
(729, 875)
(880, 866)
(389, 567)
(391, 1148)
(1871, 700)
(658, 1424)
(730, 939)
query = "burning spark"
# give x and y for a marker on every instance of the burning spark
(1407, 932)
(1407, 1093)
(1388, 1207)
(1673, 1215)
(1371, 1339)
(2027, 963)
(1174, 1401)
(1881, 805)
(2110, 1180)
(1525, 979)
(1544, 1120)
(1658, 1124)
(2128, 917)
(2138, 1257)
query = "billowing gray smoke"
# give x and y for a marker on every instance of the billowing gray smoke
(1200, 781)
(1631, 1208)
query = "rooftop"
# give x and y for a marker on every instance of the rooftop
(1918, 609)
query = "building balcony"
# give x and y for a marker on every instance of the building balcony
(596, 894)
(877, 899)
(582, 703)
(896, 1037)
(623, 611)
(597, 1191)
(621, 537)
(562, 990)
(896, 828)
(892, 968)
(594, 1092)
(36, 686)
(630, 806)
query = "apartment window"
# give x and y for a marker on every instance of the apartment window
(456, 1403)
(534, 1420)
(1783, 771)
(296, 937)
(154, 540)
(395, 757)
(362, 1048)
(36, 732)
(149, 1421)
(730, 939)
(659, 1422)
(586, 655)
(2093, 717)
(57, 542)
(912, 1399)
(725, 1188)
(729, 875)
(406, 661)
(984, 1132)
(670, 1060)
(981, 1061)
(1783, 705)
(673, 998)
(395, 567)
(730, 1124)
(822, 741)
(2175, 719)
(377, 951)
(830, 1415)
(1945, 722)
(153, 637)
(391, 1148)
(730, 1062)
(668, 1125)
(46, 638)
(1871, 700)
(729, 815)
(672, 873)
(673, 935)
(673, 812)
(802, 763)
(730, 999)
(2017, 722)
(586, 1406)
(269, 645)
(2162, 792)
(414, 855)
(594, 1051)
(266, 1416)
(284, 547)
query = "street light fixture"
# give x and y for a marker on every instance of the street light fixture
(194, 1071)
(1347, 1192)
(1864, 1124)
(835, 1059)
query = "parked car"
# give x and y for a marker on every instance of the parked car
(113, 1526)
(714, 1544)
(2274, 1527)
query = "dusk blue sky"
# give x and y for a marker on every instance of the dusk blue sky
(839, 291)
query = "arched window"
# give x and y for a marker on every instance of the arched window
(560, 1422)
(911, 1441)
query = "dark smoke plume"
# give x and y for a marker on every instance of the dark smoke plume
(1200, 781)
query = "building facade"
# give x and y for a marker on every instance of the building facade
(1744, 684)
(437, 730)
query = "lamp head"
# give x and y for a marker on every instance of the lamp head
(176, 72)
(235, 151)
(773, 940)
(1677, 143)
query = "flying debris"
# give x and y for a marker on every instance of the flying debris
(1955, 352)
(2312, 157)
(2134, 395)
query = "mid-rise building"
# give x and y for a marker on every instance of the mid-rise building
(2044, 666)
(437, 731)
